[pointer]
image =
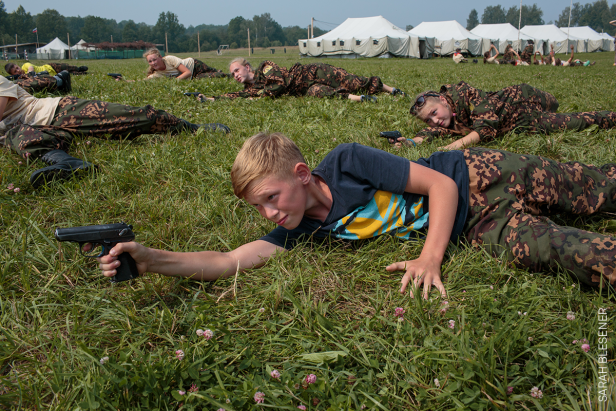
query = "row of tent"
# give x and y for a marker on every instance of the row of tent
(377, 37)
(56, 49)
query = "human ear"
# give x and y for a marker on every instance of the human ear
(302, 172)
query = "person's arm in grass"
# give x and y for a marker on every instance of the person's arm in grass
(468, 140)
(185, 73)
(443, 194)
(202, 265)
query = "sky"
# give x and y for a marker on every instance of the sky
(289, 13)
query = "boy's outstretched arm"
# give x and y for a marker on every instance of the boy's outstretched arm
(202, 265)
(443, 194)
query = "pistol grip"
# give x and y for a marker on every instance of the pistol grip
(127, 269)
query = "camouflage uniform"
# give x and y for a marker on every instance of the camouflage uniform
(509, 56)
(38, 83)
(511, 197)
(202, 70)
(316, 79)
(527, 53)
(520, 108)
(74, 70)
(90, 118)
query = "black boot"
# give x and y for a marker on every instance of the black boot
(61, 167)
(82, 69)
(65, 76)
(187, 126)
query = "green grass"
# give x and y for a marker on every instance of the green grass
(59, 317)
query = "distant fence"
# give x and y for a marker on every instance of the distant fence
(80, 54)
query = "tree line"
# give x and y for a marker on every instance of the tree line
(597, 15)
(264, 31)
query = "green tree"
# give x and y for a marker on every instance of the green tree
(532, 15)
(95, 30)
(51, 24)
(473, 20)
(3, 18)
(493, 15)
(236, 30)
(144, 32)
(74, 26)
(293, 34)
(21, 23)
(176, 38)
(130, 32)
(596, 15)
(576, 15)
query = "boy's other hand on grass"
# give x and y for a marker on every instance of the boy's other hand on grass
(109, 263)
(423, 272)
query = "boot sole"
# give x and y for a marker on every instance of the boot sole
(49, 176)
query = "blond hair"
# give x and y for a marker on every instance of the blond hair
(242, 61)
(263, 155)
(147, 53)
(429, 96)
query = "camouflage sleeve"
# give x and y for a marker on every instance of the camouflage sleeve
(485, 121)
(429, 133)
(269, 82)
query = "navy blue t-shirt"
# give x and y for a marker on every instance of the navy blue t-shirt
(368, 199)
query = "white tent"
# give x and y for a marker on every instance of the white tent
(594, 41)
(503, 34)
(555, 37)
(55, 50)
(450, 35)
(608, 42)
(366, 37)
(80, 46)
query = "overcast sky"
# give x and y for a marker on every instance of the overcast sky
(289, 13)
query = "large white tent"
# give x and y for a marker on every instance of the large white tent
(365, 37)
(55, 50)
(503, 34)
(555, 37)
(594, 41)
(450, 35)
(608, 42)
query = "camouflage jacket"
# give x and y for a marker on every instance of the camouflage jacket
(527, 53)
(274, 81)
(510, 55)
(490, 114)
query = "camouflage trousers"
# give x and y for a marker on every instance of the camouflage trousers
(74, 70)
(202, 70)
(556, 122)
(94, 118)
(38, 83)
(323, 80)
(511, 197)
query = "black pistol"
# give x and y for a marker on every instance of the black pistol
(105, 236)
(115, 75)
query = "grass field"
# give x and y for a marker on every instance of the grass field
(70, 340)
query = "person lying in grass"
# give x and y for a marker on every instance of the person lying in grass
(174, 67)
(315, 79)
(359, 192)
(478, 116)
(44, 127)
(51, 68)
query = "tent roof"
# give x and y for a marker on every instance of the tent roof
(546, 32)
(606, 36)
(364, 27)
(502, 32)
(55, 44)
(443, 30)
(583, 32)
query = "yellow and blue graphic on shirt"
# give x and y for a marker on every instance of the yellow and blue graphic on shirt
(385, 213)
